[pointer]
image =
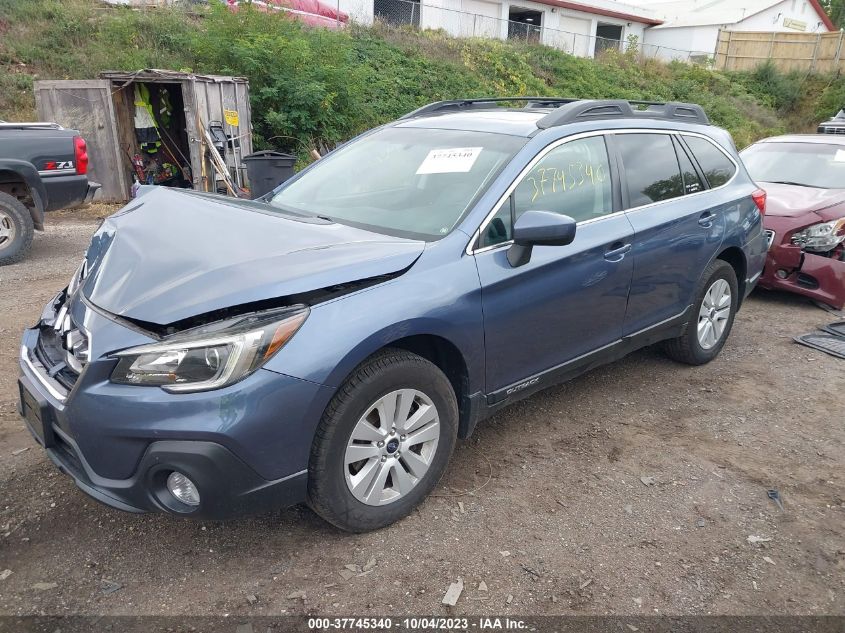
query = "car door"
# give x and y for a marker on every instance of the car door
(675, 233)
(566, 301)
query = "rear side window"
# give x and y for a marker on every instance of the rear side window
(651, 168)
(717, 168)
(692, 183)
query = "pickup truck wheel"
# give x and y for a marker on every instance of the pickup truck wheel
(16, 230)
(383, 443)
(712, 317)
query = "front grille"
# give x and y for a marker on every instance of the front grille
(824, 129)
(50, 353)
(62, 348)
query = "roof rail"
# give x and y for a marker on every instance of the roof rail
(439, 107)
(23, 126)
(591, 110)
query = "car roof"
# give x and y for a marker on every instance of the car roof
(822, 139)
(487, 114)
(524, 122)
(516, 122)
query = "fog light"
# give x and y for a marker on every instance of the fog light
(183, 489)
(781, 273)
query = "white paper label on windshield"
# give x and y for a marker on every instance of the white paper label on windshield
(451, 160)
(840, 156)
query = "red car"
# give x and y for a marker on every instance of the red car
(804, 176)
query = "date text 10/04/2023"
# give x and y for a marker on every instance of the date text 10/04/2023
(421, 623)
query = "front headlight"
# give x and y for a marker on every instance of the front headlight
(211, 356)
(821, 237)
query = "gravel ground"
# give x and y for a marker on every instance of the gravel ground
(635, 489)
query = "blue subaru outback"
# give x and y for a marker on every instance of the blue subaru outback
(329, 343)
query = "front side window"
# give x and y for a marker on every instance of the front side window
(409, 182)
(651, 168)
(573, 179)
(500, 229)
(717, 168)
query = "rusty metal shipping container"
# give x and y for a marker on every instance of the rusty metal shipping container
(192, 113)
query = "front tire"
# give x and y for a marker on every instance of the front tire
(712, 318)
(16, 230)
(383, 443)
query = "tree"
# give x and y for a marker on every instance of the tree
(836, 10)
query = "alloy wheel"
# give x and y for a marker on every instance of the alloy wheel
(391, 447)
(714, 313)
(7, 229)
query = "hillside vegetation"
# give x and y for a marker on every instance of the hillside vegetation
(313, 87)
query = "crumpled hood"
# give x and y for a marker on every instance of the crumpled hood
(171, 255)
(793, 201)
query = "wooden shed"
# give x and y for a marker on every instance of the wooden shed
(192, 112)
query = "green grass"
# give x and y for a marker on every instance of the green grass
(314, 88)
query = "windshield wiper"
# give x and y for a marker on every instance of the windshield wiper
(797, 184)
(297, 213)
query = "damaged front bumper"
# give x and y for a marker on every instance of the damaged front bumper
(246, 447)
(817, 277)
(228, 487)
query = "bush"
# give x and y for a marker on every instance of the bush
(780, 90)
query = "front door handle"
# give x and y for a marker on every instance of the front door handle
(706, 219)
(617, 252)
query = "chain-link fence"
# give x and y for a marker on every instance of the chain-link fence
(464, 24)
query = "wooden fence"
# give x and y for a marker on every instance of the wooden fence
(809, 52)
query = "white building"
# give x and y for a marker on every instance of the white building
(581, 28)
(695, 24)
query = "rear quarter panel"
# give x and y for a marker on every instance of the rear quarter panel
(744, 225)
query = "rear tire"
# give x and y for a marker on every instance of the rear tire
(388, 403)
(712, 317)
(16, 230)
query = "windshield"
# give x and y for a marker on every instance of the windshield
(408, 182)
(807, 164)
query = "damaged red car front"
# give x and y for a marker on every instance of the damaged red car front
(804, 176)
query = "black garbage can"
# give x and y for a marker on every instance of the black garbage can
(267, 170)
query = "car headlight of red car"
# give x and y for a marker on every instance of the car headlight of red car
(821, 237)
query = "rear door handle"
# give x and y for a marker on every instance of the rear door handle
(617, 252)
(706, 219)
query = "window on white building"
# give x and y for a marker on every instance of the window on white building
(397, 12)
(524, 24)
(608, 36)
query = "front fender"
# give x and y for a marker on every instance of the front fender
(443, 301)
(38, 192)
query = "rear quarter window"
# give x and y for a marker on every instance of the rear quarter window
(717, 168)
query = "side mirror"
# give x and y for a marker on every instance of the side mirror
(539, 228)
